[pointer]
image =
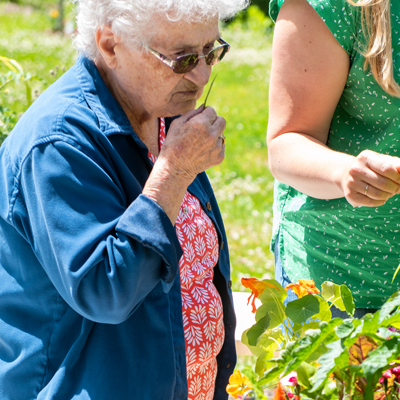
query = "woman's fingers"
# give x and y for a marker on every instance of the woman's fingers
(194, 142)
(384, 166)
(372, 179)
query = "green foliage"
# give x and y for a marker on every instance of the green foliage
(253, 18)
(29, 57)
(17, 76)
(262, 4)
(338, 359)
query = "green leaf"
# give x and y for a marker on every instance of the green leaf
(304, 373)
(378, 361)
(257, 330)
(300, 350)
(11, 64)
(370, 323)
(331, 292)
(270, 338)
(389, 306)
(328, 392)
(347, 299)
(339, 295)
(395, 273)
(264, 362)
(276, 311)
(325, 313)
(327, 362)
(255, 350)
(273, 291)
(299, 311)
(345, 329)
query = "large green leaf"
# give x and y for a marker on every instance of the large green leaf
(347, 299)
(370, 323)
(271, 336)
(257, 330)
(264, 362)
(276, 311)
(339, 295)
(345, 329)
(304, 373)
(300, 350)
(389, 306)
(313, 344)
(255, 350)
(378, 361)
(327, 361)
(392, 320)
(328, 392)
(273, 292)
(299, 311)
(325, 313)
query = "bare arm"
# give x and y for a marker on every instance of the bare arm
(309, 72)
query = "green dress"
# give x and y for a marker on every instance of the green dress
(330, 239)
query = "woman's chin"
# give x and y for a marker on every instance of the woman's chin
(182, 107)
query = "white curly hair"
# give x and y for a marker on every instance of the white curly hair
(133, 20)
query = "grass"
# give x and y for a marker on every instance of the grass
(243, 183)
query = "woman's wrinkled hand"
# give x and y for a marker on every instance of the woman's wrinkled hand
(371, 179)
(194, 143)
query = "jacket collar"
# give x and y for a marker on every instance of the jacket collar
(112, 118)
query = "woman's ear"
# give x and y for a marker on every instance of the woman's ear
(106, 42)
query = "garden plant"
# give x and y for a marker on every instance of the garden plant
(305, 354)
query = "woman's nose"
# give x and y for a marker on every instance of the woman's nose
(200, 74)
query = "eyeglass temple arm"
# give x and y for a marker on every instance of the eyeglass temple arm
(161, 57)
(222, 41)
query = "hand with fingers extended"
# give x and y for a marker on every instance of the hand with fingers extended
(371, 179)
(195, 142)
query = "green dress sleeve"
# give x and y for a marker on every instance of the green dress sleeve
(340, 17)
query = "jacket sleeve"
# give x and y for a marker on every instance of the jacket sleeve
(103, 255)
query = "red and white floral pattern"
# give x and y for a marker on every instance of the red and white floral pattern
(201, 303)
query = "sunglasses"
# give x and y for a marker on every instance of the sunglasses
(188, 62)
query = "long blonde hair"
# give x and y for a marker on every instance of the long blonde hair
(375, 15)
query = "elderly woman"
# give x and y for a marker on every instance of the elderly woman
(114, 270)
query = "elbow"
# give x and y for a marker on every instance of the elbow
(273, 157)
(105, 313)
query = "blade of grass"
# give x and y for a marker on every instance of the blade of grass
(397, 270)
(209, 90)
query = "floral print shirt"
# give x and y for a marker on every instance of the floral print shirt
(201, 303)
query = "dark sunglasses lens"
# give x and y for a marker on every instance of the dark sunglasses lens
(185, 63)
(216, 55)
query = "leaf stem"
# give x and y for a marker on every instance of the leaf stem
(209, 90)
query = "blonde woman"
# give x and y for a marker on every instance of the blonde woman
(333, 141)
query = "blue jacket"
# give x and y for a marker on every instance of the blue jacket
(90, 301)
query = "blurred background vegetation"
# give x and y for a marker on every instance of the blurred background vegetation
(37, 35)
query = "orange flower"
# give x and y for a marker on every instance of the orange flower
(304, 287)
(257, 287)
(279, 393)
(238, 384)
(54, 13)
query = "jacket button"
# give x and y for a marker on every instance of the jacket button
(208, 205)
(229, 284)
(222, 245)
(228, 365)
